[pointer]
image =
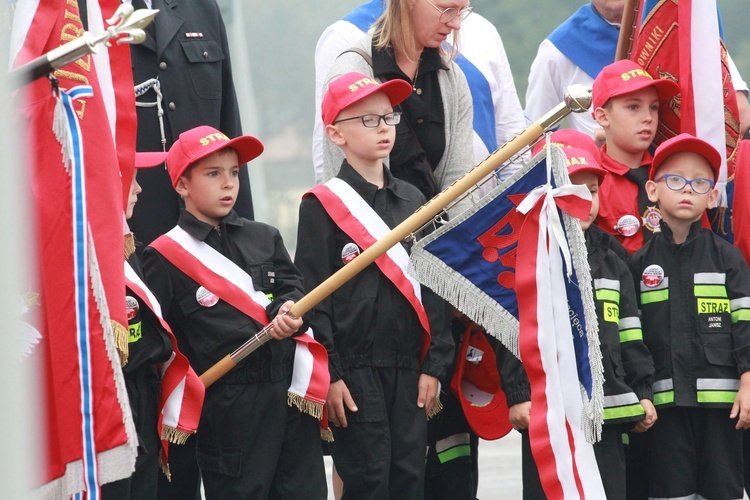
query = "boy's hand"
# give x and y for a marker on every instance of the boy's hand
(428, 388)
(284, 325)
(650, 418)
(338, 396)
(519, 415)
(741, 406)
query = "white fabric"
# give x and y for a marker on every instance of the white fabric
(550, 76)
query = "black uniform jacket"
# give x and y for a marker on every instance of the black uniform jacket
(628, 368)
(368, 322)
(206, 334)
(695, 305)
(186, 48)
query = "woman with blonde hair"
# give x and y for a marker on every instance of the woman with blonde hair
(433, 144)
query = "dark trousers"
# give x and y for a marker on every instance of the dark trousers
(253, 445)
(695, 450)
(452, 471)
(186, 477)
(381, 452)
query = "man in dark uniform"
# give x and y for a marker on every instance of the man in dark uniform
(186, 49)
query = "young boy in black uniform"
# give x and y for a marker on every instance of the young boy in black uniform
(219, 278)
(694, 294)
(628, 369)
(387, 337)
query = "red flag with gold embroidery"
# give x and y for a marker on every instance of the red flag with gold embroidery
(75, 181)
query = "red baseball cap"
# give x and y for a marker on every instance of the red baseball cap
(199, 142)
(150, 159)
(476, 384)
(570, 138)
(580, 160)
(685, 143)
(352, 87)
(626, 76)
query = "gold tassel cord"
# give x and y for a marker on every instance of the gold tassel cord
(437, 407)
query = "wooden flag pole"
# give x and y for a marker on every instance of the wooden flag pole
(577, 99)
(627, 29)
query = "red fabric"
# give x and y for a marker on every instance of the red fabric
(662, 47)
(619, 197)
(741, 206)
(56, 23)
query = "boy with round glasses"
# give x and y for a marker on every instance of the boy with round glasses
(694, 295)
(387, 337)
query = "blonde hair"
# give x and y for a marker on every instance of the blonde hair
(395, 27)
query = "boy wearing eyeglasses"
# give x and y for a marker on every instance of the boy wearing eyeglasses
(387, 337)
(694, 296)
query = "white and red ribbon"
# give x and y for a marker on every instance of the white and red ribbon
(565, 459)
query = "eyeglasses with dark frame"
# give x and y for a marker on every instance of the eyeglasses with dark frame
(373, 120)
(449, 14)
(677, 182)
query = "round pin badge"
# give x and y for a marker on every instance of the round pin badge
(131, 306)
(205, 298)
(628, 225)
(652, 219)
(652, 276)
(349, 252)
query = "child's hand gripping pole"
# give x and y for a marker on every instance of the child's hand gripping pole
(577, 99)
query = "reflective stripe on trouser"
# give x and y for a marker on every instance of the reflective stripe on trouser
(453, 447)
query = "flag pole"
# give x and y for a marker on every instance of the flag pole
(577, 99)
(125, 21)
(627, 29)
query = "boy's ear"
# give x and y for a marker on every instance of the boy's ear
(335, 135)
(181, 188)
(713, 198)
(600, 115)
(651, 191)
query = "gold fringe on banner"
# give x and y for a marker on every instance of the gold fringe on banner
(129, 245)
(120, 334)
(437, 407)
(175, 436)
(305, 405)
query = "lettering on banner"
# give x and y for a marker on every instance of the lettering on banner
(500, 242)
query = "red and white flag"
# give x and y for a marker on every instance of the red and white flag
(89, 435)
(682, 41)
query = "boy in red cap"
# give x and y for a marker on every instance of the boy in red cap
(387, 337)
(626, 101)
(219, 278)
(628, 368)
(694, 295)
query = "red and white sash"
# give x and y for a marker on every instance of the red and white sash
(363, 225)
(215, 272)
(182, 392)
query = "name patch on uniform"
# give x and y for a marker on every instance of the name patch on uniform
(713, 306)
(134, 332)
(611, 312)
